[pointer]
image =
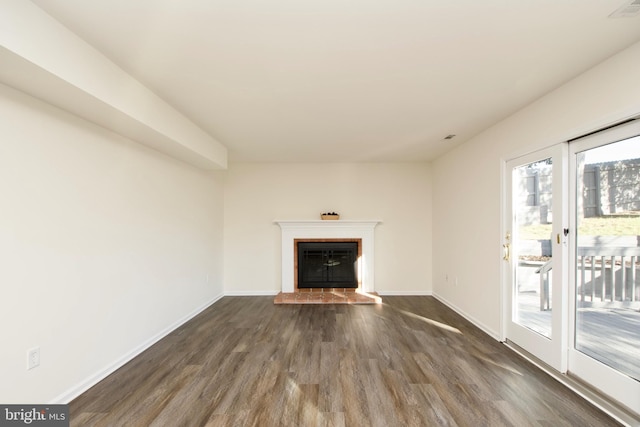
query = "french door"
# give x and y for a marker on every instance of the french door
(571, 237)
(605, 254)
(535, 253)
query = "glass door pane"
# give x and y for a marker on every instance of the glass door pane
(607, 325)
(605, 257)
(532, 201)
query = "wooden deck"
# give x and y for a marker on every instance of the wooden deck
(611, 336)
(608, 334)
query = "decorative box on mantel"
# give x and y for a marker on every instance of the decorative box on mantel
(329, 216)
(319, 229)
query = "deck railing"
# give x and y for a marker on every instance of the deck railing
(606, 276)
(545, 301)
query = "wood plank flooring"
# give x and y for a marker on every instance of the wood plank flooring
(409, 361)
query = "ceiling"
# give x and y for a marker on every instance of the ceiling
(348, 80)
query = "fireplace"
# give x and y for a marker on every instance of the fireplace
(331, 231)
(327, 263)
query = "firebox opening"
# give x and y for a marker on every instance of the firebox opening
(327, 264)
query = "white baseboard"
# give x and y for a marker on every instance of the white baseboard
(94, 379)
(493, 334)
(250, 293)
(404, 293)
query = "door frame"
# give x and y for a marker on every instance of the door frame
(551, 351)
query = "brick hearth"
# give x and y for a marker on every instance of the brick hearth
(327, 296)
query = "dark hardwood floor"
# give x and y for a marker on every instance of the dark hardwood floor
(410, 361)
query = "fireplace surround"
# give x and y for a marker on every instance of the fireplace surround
(346, 230)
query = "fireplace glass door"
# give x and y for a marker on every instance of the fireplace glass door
(327, 264)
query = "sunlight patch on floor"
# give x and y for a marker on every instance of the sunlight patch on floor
(431, 322)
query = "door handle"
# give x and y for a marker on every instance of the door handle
(507, 247)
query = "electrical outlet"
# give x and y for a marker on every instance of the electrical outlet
(33, 357)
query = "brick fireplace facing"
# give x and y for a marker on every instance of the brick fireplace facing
(334, 230)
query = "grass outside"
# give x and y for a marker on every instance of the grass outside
(610, 225)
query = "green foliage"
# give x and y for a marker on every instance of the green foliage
(609, 225)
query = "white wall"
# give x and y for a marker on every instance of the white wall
(104, 245)
(256, 194)
(467, 193)
(42, 57)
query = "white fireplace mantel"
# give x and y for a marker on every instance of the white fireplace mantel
(330, 229)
